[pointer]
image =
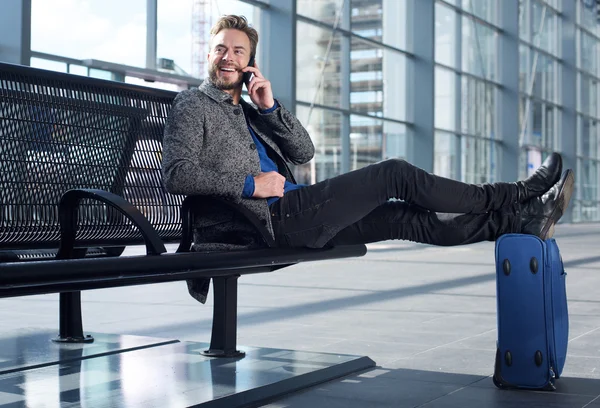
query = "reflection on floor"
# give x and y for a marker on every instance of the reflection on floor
(134, 371)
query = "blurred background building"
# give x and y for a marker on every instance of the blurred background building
(475, 90)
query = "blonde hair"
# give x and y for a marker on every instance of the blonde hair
(236, 23)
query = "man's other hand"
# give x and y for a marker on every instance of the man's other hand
(268, 184)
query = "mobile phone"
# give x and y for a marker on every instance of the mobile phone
(248, 75)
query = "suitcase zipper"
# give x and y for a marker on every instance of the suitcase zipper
(551, 338)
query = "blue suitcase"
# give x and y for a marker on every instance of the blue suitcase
(533, 319)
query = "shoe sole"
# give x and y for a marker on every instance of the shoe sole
(562, 202)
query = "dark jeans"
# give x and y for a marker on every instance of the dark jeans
(355, 208)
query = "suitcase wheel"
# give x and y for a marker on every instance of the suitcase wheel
(497, 383)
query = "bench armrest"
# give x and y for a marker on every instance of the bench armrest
(193, 205)
(68, 210)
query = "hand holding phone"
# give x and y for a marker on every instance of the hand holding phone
(259, 88)
(248, 75)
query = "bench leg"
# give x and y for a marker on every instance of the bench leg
(224, 329)
(71, 327)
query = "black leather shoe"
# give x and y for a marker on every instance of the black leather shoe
(542, 180)
(540, 214)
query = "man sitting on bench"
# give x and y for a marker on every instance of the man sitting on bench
(217, 144)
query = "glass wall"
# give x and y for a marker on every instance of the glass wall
(466, 83)
(353, 79)
(108, 30)
(183, 28)
(351, 67)
(587, 203)
(540, 70)
(66, 32)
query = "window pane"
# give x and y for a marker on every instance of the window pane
(536, 125)
(589, 180)
(548, 131)
(544, 81)
(545, 33)
(395, 18)
(587, 87)
(366, 137)
(395, 140)
(109, 30)
(594, 109)
(588, 138)
(524, 69)
(588, 15)
(311, 58)
(588, 54)
(522, 107)
(478, 107)
(324, 128)
(543, 127)
(48, 64)
(534, 160)
(175, 40)
(543, 123)
(479, 160)
(479, 49)
(445, 156)
(78, 70)
(102, 74)
(371, 68)
(445, 35)
(585, 211)
(484, 9)
(382, 20)
(523, 20)
(445, 99)
(544, 85)
(373, 140)
(524, 165)
(586, 206)
(321, 10)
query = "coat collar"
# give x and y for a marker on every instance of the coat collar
(218, 95)
(213, 92)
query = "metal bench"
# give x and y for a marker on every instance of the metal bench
(80, 180)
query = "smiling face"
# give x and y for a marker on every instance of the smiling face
(229, 54)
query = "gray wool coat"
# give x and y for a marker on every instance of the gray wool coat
(208, 150)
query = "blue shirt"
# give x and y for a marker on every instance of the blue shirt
(266, 165)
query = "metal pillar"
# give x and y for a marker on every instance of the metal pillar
(15, 31)
(277, 50)
(151, 29)
(345, 70)
(420, 150)
(508, 94)
(568, 86)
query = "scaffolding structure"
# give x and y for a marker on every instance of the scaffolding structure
(201, 23)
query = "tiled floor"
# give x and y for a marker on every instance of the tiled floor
(426, 315)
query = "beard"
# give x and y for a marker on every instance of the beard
(222, 83)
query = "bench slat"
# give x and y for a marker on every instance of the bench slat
(37, 277)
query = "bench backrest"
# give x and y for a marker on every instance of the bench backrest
(61, 131)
